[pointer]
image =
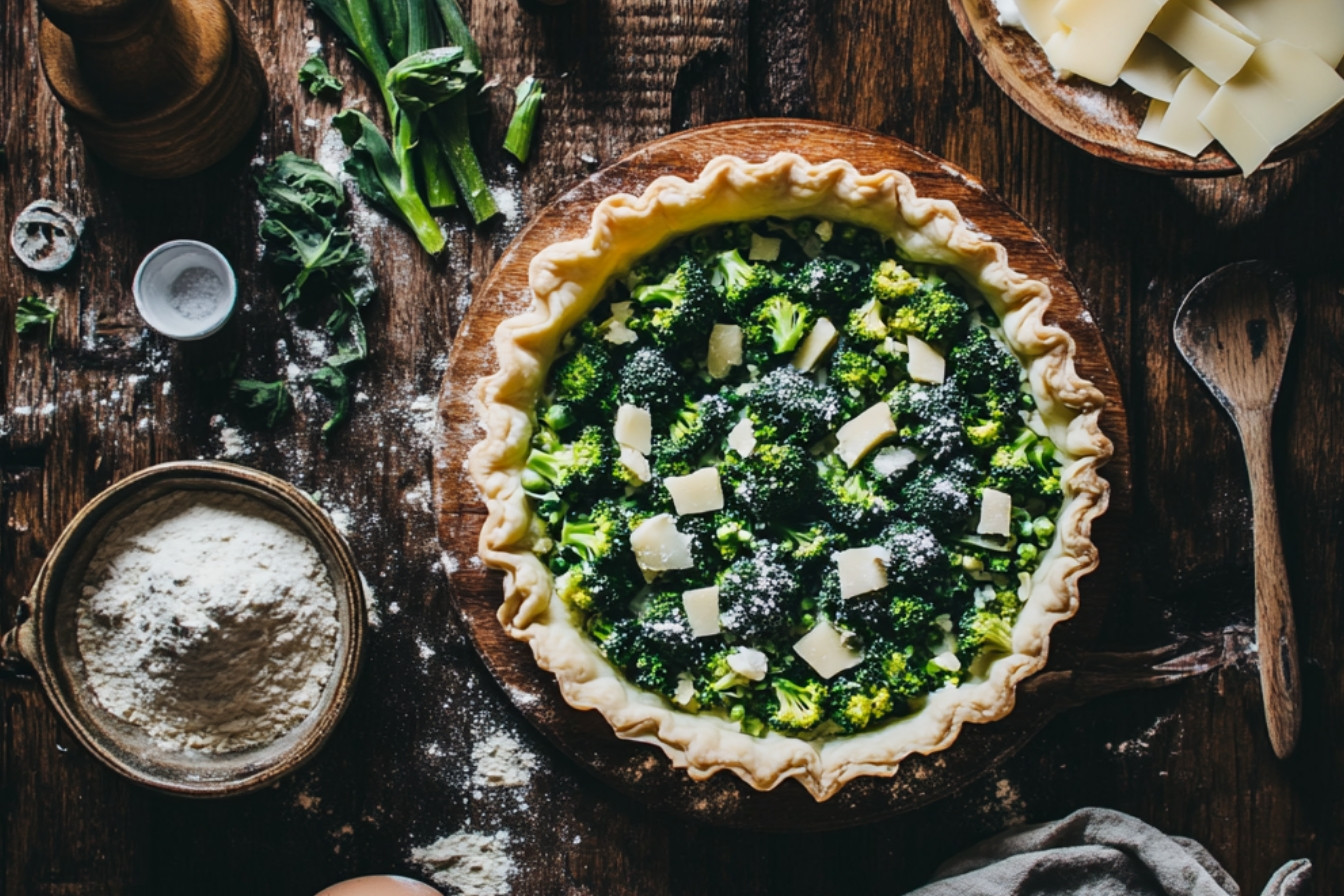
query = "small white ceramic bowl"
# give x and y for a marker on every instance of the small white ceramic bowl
(185, 289)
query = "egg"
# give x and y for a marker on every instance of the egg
(380, 885)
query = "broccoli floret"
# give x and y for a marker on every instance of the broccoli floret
(649, 380)
(894, 284)
(937, 498)
(600, 538)
(777, 326)
(911, 618)
(591, 590)
(988, 623)
(584, 466)
(854, 705)
(930, 418)
(664, 621)
(677, 310)
(717, 538)
(1025, 468)
(867, 324)
(716, 682)
(744, 285)
(758, 596)
(857, 376)
(794, 706)
(584, 381)
(788, 406)
(832, 285)
(860, 243)
(814, 544)
(697, 429)
(776, 480)
(886, 663)
(860, 613)
(980, 365)
(852, 497)
(933, 313)
(919, 563)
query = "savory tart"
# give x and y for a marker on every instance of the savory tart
(786, 471)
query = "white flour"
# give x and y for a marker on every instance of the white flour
(470, 864)
(209, 621)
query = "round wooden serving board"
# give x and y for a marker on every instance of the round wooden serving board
(1102, 120)
(643, 771)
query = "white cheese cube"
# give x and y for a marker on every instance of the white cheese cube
(1176, 125)
(698, 492)
(742, 438)
(864, 433)
(825, 651)
(1103, 35)
(763, 248)
(1213, 50)
(658, 546)
(702, 609)
(748, 662)
(926, 363)
(622, 311)
(816, 345)
(617, 333)
(685, 692)
(948, 661)
(862, 570)
(634, 428)
(996, 513)
(725, 349)
(636, 463)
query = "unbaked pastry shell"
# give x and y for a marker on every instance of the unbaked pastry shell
(568, 279)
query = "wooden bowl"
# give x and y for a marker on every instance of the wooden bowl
(47, 637)
(1102, 120)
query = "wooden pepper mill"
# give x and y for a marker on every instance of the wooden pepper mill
(158, 88)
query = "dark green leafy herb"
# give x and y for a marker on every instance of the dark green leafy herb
(34, 313)
(317, 78)
(528, 97)
(333, 382)
(270, 402)
(323, 268)
(426, 79)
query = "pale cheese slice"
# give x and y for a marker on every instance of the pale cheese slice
(742, 438)
(634, 428)
(1225, 20)
(685, 691)
(1213, 50)
(1154, 69)
(763, 248)
(1282, 89)
(862, 570)
(658, 546)
(1038, 17)
(927, 364)
(1102, 35)
(892, 460)
(816, 345)
(996, 513)
(864, 433)
(702, 609)
(825, 651)
(617, 333)
(1177, 126)
(725, 349)
(1317, 25)
(636, 463)
(698, 492)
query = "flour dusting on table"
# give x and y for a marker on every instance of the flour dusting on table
(471, 864)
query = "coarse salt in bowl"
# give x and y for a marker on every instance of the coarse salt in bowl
(185, 289)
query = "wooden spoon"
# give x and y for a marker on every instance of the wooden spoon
(1234, 328)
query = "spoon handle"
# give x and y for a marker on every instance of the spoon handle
(1275, 631)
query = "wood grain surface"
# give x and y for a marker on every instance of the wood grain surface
(477, 592)
(401, 770)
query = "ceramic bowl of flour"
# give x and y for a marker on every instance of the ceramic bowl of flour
(199, 625)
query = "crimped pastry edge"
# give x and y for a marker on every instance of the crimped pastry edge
(567, 281)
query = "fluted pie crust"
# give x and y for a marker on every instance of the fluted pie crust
(568, 279)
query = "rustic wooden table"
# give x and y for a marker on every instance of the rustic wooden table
(409, 763)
